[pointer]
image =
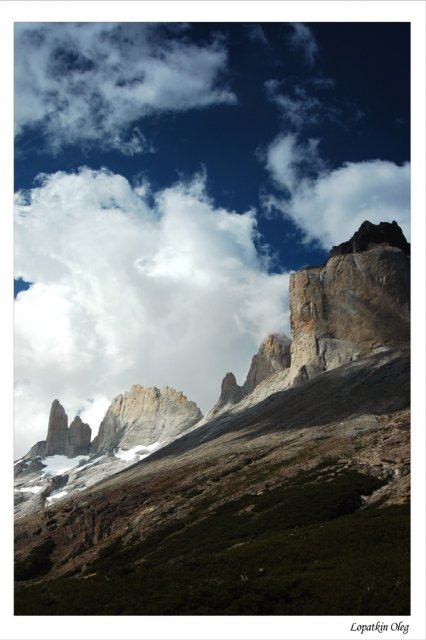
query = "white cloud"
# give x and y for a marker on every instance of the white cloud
(89, 83)
(170, 294)
(302, 39)
(288, 160)
(330, 205)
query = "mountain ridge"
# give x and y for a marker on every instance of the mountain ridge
(264, 507)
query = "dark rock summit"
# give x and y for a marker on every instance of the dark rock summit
(369, 234)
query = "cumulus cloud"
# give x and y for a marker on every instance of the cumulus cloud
(327, 205)
(302, 39)
(131, 287)
(89, 84)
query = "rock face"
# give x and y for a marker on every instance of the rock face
(354, 305)
(230, 391)
(57, 441)
(273, 355)
(79, 437)
(36, 451)
(145, 415)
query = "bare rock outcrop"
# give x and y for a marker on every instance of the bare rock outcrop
(57, 441)
(144, 416)
(37, 451)
(273, 355)
(80, 435)
(230, 391)
(355, 304)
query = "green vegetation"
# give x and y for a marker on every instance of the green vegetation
(304, 548)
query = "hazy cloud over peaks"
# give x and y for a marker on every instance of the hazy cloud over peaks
(174, 292)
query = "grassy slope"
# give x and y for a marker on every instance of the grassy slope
(305, 548)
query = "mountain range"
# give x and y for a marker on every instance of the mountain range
(270, 503)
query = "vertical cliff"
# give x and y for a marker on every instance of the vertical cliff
(57, 441)
(355, 304)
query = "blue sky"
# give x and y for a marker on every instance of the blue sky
(168, 179)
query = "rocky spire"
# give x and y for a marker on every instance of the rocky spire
(57, 441)
(273, 355)
(230, 392)
(61, 440)
(79, 437)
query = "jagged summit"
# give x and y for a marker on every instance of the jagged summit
(353, 306)
(80, 436)
(136, 424)
(57, 441)
(145, 415)
(273, 355)
(322, 433)
(61, 439)
(369, 235)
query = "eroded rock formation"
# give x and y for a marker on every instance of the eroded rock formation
(145, 415)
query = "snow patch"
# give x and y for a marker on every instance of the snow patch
(56, 496)
(30, 489)
(137, 453)
(57, 465)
